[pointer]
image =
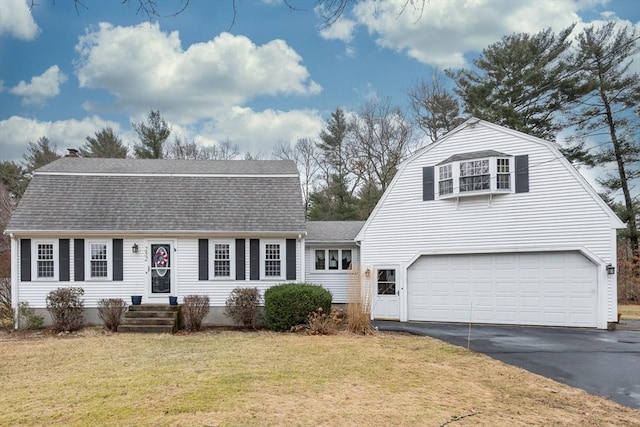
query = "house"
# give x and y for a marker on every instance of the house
(332, 256)
(157, 228)
(489, 225)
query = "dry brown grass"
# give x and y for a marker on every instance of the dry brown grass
(262, 378)
(629, 311)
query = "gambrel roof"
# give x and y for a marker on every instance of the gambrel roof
(162, 196)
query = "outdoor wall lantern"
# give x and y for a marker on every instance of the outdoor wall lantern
(611, 269)
(367, 273)
(134, 248)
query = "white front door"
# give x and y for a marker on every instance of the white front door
(161, 269)
(386, 300)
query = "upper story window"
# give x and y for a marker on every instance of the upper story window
(332, 259)
(472, 173)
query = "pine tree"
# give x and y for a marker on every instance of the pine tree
(153, 136)
(105, 144)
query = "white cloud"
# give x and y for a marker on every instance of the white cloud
(260, 131)
(341, 30)
(41, 88)
(16, 133)
(144, 68)
(16, 20)
(442, 31)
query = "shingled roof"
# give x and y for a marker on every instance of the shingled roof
(160, 196)
(333, 231)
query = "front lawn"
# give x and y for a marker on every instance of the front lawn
(629, 311)
(264, 378)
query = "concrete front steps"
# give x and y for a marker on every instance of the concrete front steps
(152, 318)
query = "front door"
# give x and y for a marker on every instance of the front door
(386, 301)
(161, 266)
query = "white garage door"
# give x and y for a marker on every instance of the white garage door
(546, 288)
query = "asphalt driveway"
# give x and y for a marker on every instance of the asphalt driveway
(604, 363)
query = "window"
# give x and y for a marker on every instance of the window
(503, 175)
(99, 267)
(222, 259)
(462, 175)
(386, 282)
(98, 259)
(332, 259)
(272, 260)
(445, 182)
(474, 175)
(45, 264)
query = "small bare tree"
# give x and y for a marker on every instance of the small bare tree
(305, 153)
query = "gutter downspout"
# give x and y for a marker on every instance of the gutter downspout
(14, 280)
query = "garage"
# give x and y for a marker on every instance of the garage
(532, 288)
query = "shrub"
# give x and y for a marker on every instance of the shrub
(66, 307)
(243, 306)
(322, 323)
(194, 309)
(290, 304)
(6, 311)
(110, 311)
(27, 317)
(359, 305)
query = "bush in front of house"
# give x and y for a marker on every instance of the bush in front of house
(6, 311)
(194, 309)
(243, 306)
(66, 308)
(27, 317)
(110, 311)
(290, 304)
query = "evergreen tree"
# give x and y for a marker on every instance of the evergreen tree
(152, 135)
(105, 144)
(333, 203)
(609, 111)
(521, 83)
(39, 154)
(14, 177)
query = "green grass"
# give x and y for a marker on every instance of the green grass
(263, 378)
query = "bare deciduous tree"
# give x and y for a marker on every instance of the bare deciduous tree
(381, 140)
(305, 153)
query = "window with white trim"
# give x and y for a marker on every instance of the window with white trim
(273, 256)
(472, 176)
(223, 258)
(45, 260)
(332, 259)
(98, 259)
(445, 182)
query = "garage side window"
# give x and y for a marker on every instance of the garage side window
(386, 282)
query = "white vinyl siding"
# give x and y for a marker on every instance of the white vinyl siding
(336, 281)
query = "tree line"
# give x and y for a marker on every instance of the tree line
(544, 84)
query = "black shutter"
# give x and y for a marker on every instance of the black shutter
(522, 174)
(25, 260)
(254, 259)
(118, 260)
(78, 260)
(63, 260)
(291, 259)
(203, 259)
(428, 190)
(240, 261)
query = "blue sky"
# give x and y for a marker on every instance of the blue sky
(273, 76)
